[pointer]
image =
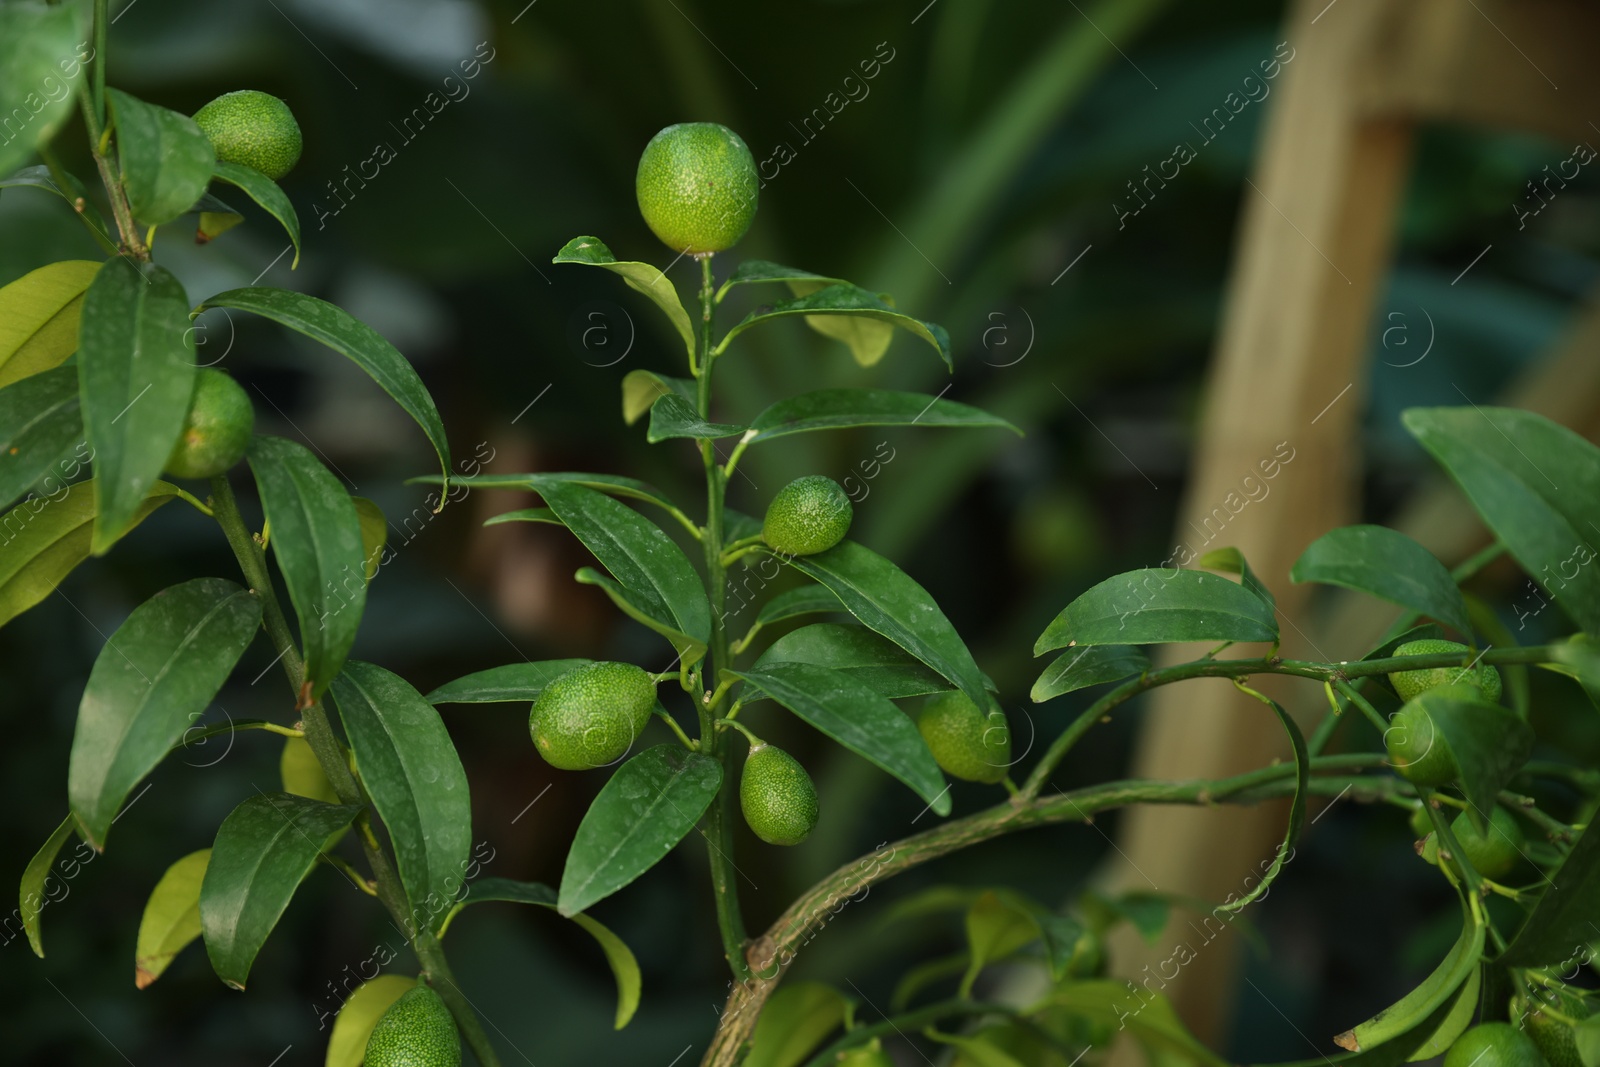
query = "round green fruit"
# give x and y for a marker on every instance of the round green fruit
(217, 429)
(1550, 1035)
(253, 129)
(591, 715)
(697, 187)
(1417, 751)
(809, 515)
(1495, 853)
(1493, 1045)
(416, 1031)
(1409, 683)
(965, 742)
(777, 797)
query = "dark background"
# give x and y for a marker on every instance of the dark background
(936, 188)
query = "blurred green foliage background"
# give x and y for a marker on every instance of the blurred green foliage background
(983, 159)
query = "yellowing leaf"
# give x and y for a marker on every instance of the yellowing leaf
(347, 1045)
(39, 318)
(171, 917)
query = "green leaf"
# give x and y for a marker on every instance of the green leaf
(514, 681)
(39, 422)
(171, 917)
(1579, 659)
(641, 389)
(136, 373)
(46, 537)
(646, 808)
(525, 515)
(592, 252)
(794, 1022)
(760, 270)
(974, 1050)
(671, 416)
(1231, 561)
(1297, 815)
(1086, 665)
(1386, 564)
(1146, 912)
(887, 600)
(355, 340)
(1419, 1007)
(263, 851)
(265, 192)
(1560, 930)
(1147, 1014)
(1455, 1021)
(846, 301)
(302, 773)
(833, 409)
(858, 718)
(407, 762)
(39, 315)
(1490, 742)
(38, 45)
(76, 196)
(153, 678)
(347, 1045)
(1154, 606)
(33, 894)
(610, 484)
(737, 526)
(374, 534)
(658, 578)
(996, 928)
(166, 160)
(1586, 1039)
(1537, 486)
(805, 600)
(316, 538)
(859, 654)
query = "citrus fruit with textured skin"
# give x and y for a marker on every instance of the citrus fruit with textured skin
(965, 742)
(590, 715)
(217, 429)
(1416, 751)
(1494, 853)
(1493, 1045)
(807, 516)
(1550, 1035)
(1408, 684)
(416, 1031)
(777, 797)
(697, 187)
(254, 129)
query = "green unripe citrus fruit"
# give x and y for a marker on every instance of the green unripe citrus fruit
(777, 797)
(868, 1055)
(965, 742)
(416, 1031)
(1494, 853)
(253, 129)
(1417, 751)
(1493, 1045)
(1409, 683)
(697, 187)
(1552, 1037)
(217, 429)
(590, 715)
(809, 515)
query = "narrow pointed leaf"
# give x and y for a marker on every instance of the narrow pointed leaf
(672, 416)
(347, 1045)
(374, 534)
(832, 409)
(526, 515)
(1418, 1007)
(265, 192)
(39, 429)
(1386, 564)
(805, 600)
(39, 315)
(514, 681)
(859, 654)
(641, 389)
(592, 252)
(34, 891)
(171, 917)
(610, 484)
(1232, 561)
(153, 678)
(1455, 1022)
(846, 301)
(166, 159)
(760, 270)
(1086, 665)
(1157, 605)
(1297, 815)
(1559, 930)
(35, 40)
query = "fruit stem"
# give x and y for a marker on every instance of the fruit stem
(1363, 703)
(755, 742)
(688, 743)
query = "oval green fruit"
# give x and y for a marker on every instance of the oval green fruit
(1496, 852)
(217, 429)
(965, 742)
(416, 1031)
(777, 797)
(1493, 1045)
(253, 129)
(807, 516)
(697, 187)
(1408, 684)
(1417, 751)
(590, 715)
(1554, 1038)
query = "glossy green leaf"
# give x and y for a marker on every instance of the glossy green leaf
(1086, 665)
(833, 409)
(610, 484)
(263, 851)
(171, 917)
(859, 654)
(860, 719)
(887, 600)
(648, 806)
(39, 427)
(1297, 815)
(1490, 742)
(1386, 564)
(794, 1022)
(46, 537)
(592, 252)
(265, 192)
(166, 160)
(642, 388)
(347, 1045)
(39, 316)
(135, 373)
(1418, 1008)
(39, 45)
(671, 416)
(347, 335)
(1560, 930)
(374, 534)
(804, 600)
(1147, 1014)
(843, 300)
(1231, 561)
(760, 270)
(316, 539)
(34, 891)
(514, 681)
(1455, 1021)
(1537, 486)
(153, 678)
(302, 774)
(1157, 605)
(526, 515)
(409, 766)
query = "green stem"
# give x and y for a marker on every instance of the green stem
(1364, 704)
(670, 721)
(101, 23)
